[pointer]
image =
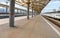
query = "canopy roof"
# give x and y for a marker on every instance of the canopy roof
(37, 5)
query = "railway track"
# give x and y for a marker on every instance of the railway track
(6, 15)
(56, 21)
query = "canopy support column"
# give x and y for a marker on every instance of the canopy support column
(12, 7)
(17, 11)
(20, 11)
(32, 11)
(6, 9)
(28, 5)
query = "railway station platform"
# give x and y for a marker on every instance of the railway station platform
(36, 27)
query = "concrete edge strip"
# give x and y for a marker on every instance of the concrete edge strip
(51, 26)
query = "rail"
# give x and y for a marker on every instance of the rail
(53, 20)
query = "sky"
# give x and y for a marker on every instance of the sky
(53, 4)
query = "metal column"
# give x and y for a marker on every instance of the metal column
(28, 4)
(6, 9)
(12, 7)
(20, 11)
(7, 6)
(17, 11)
(32, 11)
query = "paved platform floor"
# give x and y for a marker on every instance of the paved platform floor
(33, 28)
(16, 18)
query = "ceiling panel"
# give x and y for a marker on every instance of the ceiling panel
(40, 4)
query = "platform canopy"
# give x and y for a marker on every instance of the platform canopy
(37, 5)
